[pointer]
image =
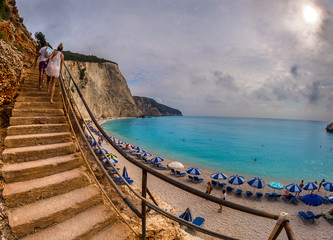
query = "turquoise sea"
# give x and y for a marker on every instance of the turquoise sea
(285, 150)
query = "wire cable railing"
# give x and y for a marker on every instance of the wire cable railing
(282, 220)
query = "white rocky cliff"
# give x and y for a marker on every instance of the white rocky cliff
(104, 89)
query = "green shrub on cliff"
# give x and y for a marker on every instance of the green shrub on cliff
(70, 56)
(4, 10)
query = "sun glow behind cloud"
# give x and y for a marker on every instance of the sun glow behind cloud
(310, 15)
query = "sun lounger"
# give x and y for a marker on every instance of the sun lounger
(173, 171)
(312, 215)
(287, 197)
(276, 196)
(239, 192)
(269, 196)
(121, 181)
(197, 221)
(259, 195)
(328, 216)
(304, 216)
(190, 177)
(249, 193)
(180, 174)
(229, 189)
(215, 183)
(196, 179)
(294, 200)
(222, 185)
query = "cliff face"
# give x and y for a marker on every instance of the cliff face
(104, 89)
(150, 107)
(17, 51)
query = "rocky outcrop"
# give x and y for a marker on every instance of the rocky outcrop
(17, 51)
(329, 127)
(104, 89)
(150, 107)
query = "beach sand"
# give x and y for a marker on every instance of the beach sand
(231, 222)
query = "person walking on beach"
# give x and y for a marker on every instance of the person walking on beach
(209, 187)
(42, 53)
(301, 185)
(54, 68)
(320, 184)
(223, 197)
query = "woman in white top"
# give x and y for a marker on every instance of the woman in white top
(54, 67)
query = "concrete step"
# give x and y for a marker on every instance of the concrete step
(31, 153)
(40, 168)
(37, 139)
(36, 112)
(46, 212)
(37, 129)
(116, 231)
(21, 193)
(36, 120)
(36, 104)
(82, 226)
(22, 98)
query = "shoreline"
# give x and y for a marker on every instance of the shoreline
(231, 222)
(284, 181)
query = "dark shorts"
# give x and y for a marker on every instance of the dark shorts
(42, 65)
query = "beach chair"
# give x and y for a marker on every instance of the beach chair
(269, 196)
(276, 196)
(249, 193)
(118, 179)
(197, 221)
(222, 185)
(180, 174)
(259, 195)
(198, 180)
(215, 183)
(239, 192)
(312, 215)
(172, 171)
(294, 200)
(304, 216)
(328, 216)
(230, 189)
(287, 197)
(190, 177)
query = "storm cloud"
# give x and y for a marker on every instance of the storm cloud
(229, 58)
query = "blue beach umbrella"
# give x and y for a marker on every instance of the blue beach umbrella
(145, 154)
(157, 159)
(186, 215)
(328, 186)
(275, 185)
(236, 180)
(256, 182)
(104, 150)
(218, 175)
(125, 174)
(313, 199)
(193, 171)
(294, 188)
(140, 151)
(310, 186)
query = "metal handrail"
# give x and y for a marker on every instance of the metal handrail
(145, 202)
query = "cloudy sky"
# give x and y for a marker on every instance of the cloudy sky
(251, 58)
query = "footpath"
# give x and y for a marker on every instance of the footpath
(47, 193)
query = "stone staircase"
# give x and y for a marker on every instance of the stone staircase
(48, 194)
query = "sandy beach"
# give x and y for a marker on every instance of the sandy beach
(231, 222)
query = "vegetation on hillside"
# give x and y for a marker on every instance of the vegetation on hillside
(70, 56)
(4, 10)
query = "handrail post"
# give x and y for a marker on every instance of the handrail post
(278, 226)
(143, 203)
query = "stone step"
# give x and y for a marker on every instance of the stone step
(24, 154)
(38, 93)
(36, 120)
(40, 168)
(22, 98)
(37, 112)
(37, 129)
(36, 139)
(36, 104)
(116, 231)
(21, 193)
(46, 212)
(81, 226)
